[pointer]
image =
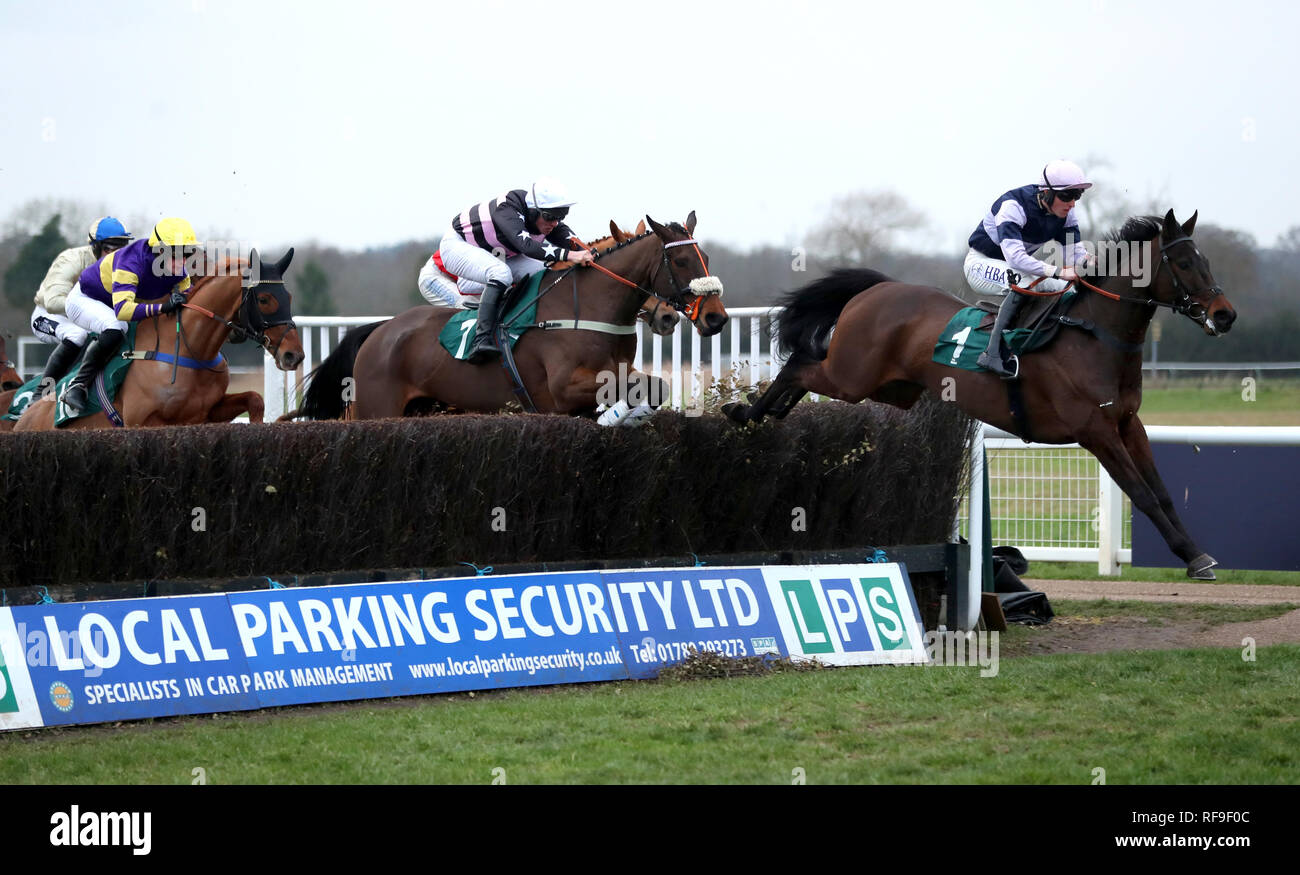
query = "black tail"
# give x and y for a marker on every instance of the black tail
(802, 328)
(324, 396)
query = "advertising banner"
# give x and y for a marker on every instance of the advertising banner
(120, 660)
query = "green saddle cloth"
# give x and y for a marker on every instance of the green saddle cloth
(962, 340)
(457, 336)
(111, 379)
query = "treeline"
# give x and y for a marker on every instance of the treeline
(861, 229)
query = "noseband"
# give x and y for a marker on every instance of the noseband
(1183, 302)
(700, 287)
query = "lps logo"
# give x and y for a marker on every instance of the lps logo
(8, 698)
(864, 616)
(61, 696)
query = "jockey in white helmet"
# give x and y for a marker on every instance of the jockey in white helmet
(492, 244)
(1018, 224)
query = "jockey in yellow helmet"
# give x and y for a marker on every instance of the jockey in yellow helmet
(142, 280)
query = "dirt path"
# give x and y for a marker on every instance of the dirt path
(1136, 590)
(1102, 634)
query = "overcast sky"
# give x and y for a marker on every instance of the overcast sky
(363, 124)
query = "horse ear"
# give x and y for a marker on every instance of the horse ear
(640, 227)
(1171, 225)
(615, 232)
(690, 223)
(283, 264)
(656, 227)
(1190, 224)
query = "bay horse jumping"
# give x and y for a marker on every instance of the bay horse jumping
(1084, 388)
(399, 368)
(263, 309)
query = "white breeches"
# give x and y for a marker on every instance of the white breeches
(437, 288)
(477, 267)
(988, 276)
(90, 314)
(52, 328)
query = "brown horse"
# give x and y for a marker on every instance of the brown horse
(400, 368)
(149, 396)
(10, 379)
(655, 312)
(1084, 388)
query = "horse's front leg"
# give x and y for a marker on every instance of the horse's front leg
(779, 399)
(574, 391)
(1134, 435)
(1106, 444)
(231, 406)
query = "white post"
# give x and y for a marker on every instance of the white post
(1110, 523)
(273, 392)
(975, 580)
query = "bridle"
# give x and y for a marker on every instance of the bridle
(252, 323)
(700, 287)
(1182, 303)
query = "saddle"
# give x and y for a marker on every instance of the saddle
(1041, 316)
(1036, 325)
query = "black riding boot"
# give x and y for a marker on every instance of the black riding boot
(98, 354)
(991, 357)
(489, 316)
(58, 365)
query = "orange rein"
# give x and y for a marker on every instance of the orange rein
(1080, 281)
(692, 309)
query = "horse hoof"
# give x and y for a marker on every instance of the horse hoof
(1201, 567)
(736, 412)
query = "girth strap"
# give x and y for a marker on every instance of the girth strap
(1100, 333)
(167, 358)
(588, 325)
(512, 370)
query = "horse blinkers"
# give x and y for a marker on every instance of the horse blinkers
(252, 322)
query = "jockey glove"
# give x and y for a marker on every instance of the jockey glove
(172, 303)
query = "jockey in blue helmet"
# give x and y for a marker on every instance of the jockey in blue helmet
(49, 321)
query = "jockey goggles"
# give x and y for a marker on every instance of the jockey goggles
(1070, 194)
(555, 215)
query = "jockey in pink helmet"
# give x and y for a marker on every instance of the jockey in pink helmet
(1018, 224)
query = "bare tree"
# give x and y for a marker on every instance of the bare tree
(1289, 240)
(861, 226)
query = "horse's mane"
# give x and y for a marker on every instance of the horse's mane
(226, 265)
(1137, 229)
(674, 226)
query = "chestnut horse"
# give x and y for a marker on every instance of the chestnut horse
(400, 368)
(1084, 388)
(10, 379)
(149, 397)
(655, 312)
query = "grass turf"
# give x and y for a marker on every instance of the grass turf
(1198, 716)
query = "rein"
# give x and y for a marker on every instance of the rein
(239, 331)
(1183, 305)
(678, 302)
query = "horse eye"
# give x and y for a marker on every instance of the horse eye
(680, 262)
(1184, 264)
